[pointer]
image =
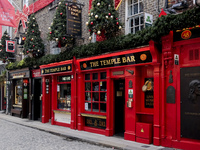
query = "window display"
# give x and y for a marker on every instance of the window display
(18, 92)
(95, 92)
(64, 96)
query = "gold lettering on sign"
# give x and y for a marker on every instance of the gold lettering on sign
(94, 64)
(128, 59)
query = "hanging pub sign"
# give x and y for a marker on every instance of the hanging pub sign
(74, 20)
(120, 60)
(186, 34)
(10, 46)
(56, 69)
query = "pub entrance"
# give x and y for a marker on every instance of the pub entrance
(119, 103)
(190, 102)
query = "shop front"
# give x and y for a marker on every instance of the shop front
(119, 94)
(181, 98)
(20, 102)
(58, 94)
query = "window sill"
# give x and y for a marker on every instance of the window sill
(93, 116)
(62, 111)
(16, 105)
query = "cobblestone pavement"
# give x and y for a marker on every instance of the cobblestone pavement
(18, 137)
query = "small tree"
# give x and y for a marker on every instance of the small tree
(58, 26)
(103, 18)
(33, 43)
(5, 56)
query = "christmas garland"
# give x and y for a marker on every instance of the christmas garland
(162, 26)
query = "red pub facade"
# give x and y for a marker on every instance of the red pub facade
(146, 94)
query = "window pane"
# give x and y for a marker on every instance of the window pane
(95, 96)
(103, 97)
(18, 94)
(95, 76)
(141, 7)
(103, 107)
(87, 86)
(136, 8)
(87, 77)
(88, 106)
(136, 21)
(141, 20)
(95, 107)
(129, 2)
(87, 96)
(95, 86)
(64, 96)
(136, 29)
(131, 22)
(103, 86)
(135, 1)
(103, 75)
(131, 30)
(130, 12)
(141, 27)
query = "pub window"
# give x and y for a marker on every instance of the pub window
(64, 93)
(18, 92)
(95, 92)
(135, 16)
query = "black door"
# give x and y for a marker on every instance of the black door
(36, 102)
(119, 88)
(190, 102)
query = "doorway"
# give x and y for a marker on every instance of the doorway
(37, 102)
(119, 103)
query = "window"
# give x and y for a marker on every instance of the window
(18, 92)
(135, 20)
(64, 93)
(95, 92)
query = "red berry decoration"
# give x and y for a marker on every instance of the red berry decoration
(91, 23)
(61, 14)
(33, 31)
(109, 14)
(33, 45)
(116, 18)
(50, 32)
(27, 51)
(89, 30)
(66, 4)
(63, 38)
(117, 23)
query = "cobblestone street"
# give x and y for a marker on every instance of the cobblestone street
(18, 137)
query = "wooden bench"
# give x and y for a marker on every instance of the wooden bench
(16, 111)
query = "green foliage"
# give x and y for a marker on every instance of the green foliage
(162, 26)
(103, 17)
(58, 27)
(33, 43)
(4, 56)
